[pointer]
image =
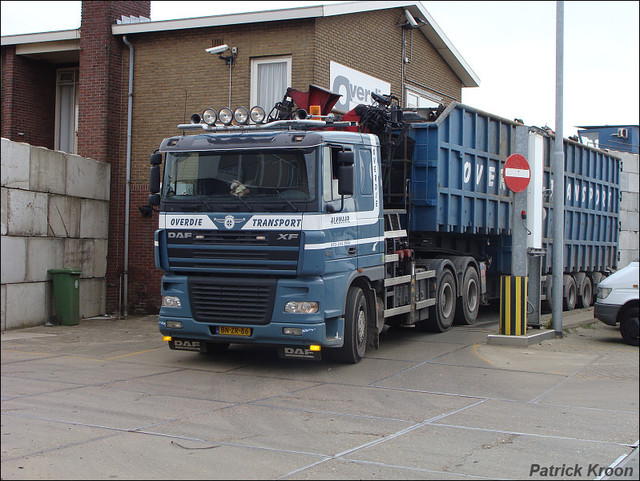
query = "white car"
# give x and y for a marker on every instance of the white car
(617, 302)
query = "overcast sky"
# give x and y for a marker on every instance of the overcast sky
(509, 45)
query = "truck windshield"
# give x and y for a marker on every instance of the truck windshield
(249, 177)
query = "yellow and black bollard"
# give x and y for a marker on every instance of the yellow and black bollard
(513, 305)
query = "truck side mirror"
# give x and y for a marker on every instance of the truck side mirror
(154, 199)
(345, 172)
(154, 179)
(156, 158)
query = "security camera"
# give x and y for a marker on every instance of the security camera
(412, 21)
(218, 49)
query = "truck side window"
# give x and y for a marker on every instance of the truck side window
(330, 174)
(366, 176)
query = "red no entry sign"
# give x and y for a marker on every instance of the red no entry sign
(517, 173)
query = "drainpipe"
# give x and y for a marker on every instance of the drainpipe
(127, 201)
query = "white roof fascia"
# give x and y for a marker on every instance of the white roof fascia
(362, 6)
(431, 30)
(47, 47)
(59, 35)
(218, 20)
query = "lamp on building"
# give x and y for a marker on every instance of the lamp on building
(229, 59)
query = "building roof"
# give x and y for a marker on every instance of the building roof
(607, 126)
(61, 46)
(427, 26)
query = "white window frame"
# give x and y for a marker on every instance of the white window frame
(58, 126)
(255, 62)
(428, 100)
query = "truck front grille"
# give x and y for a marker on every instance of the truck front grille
(232, 300)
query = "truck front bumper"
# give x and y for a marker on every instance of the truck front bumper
(607, 313)
(273, 333)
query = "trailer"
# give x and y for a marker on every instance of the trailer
(450, 172)
(314, 233)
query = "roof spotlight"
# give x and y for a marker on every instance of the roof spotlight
(195, 119)
(225, 115)
(209, 116)
(241, 115)
(257, 114)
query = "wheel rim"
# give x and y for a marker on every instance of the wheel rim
(587, 294)
(571, 295)
(472, 295)
(361, 326)
(446, 300)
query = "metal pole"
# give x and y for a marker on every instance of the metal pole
(230, 65)
(558, 182)
(127, 202)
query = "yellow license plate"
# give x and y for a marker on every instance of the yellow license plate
(234, 331)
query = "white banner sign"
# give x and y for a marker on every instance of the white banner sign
(355, 87)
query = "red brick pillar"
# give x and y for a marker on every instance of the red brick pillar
(103, 113)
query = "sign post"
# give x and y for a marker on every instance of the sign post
(513, 291)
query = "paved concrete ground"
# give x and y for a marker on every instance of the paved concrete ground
(107, 399)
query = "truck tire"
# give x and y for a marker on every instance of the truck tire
(570, 294)
(586, 294)
(442, 314)
(356, 321)
(469, 302)
(629, 326)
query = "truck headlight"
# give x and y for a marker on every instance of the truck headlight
(301, 307)
(171, 301)
(225, 115)
(603, 292)
(209, 116)
(241, 115)
(257, 114)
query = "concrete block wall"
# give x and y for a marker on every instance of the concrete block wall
(55, 214)
(629, 240)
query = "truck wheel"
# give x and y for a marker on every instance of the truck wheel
(356, 320)
(629, 326)
(442, 315)
(586, 296)
(571, 295)
(469, 302)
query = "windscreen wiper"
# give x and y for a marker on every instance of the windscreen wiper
(286, 200)
(205, 202)
(244, 202)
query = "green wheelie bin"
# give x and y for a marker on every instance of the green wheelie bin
(66, 288)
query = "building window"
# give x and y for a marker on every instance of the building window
(270, 77)
(592, 139)
(420, 99)
(66, 135)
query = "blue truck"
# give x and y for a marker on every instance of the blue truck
(315, 233)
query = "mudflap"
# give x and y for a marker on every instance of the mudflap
(298, 352)
(188, 345)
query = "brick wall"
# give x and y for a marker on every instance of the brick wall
(102, 118)
(28, 93)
